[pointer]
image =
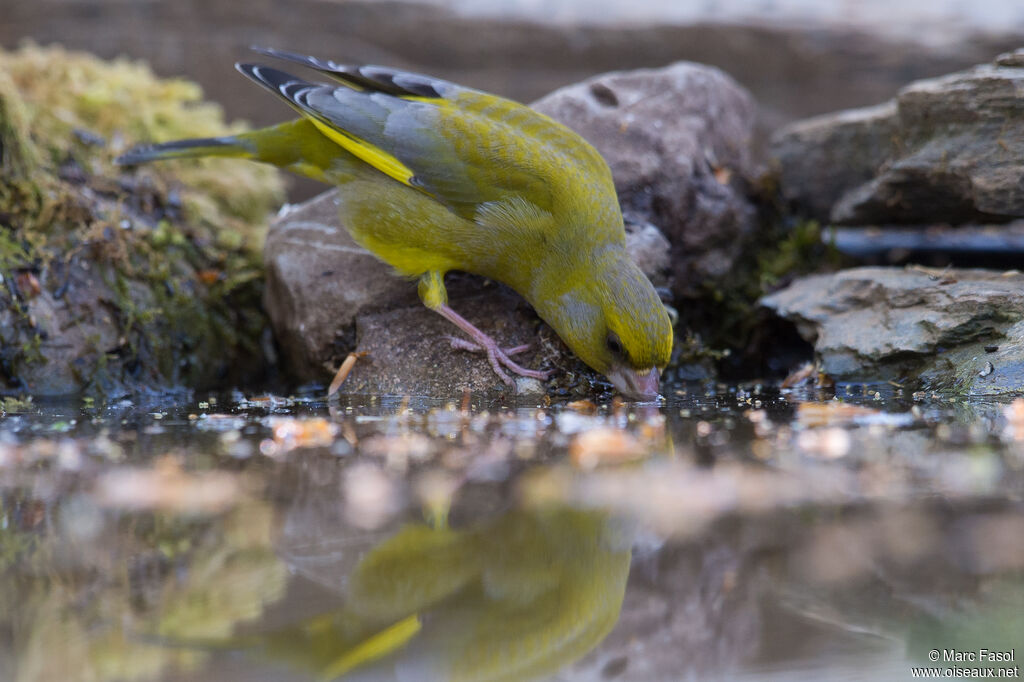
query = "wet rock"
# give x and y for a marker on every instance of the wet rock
(678, 140)
(951, 329)
(947, 149)
(408, 351)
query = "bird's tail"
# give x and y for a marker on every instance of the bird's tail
(235, 147)
(294, 145)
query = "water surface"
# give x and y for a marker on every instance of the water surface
(731, 532)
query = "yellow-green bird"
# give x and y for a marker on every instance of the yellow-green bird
(433, 176)
(507, 600)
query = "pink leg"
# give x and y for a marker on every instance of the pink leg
(463, 344)
(496, 355)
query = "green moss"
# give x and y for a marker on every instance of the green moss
(12, 405)
(805, 248)
(170, 253)
(18, 156)
(727, 319)
(74, 99)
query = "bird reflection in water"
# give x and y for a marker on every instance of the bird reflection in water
(510, 599)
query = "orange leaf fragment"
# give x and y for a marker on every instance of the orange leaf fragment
(832, 413)
(604, 446)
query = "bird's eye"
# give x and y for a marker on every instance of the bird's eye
(614, 345)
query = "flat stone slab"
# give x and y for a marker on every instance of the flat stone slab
(949, 329)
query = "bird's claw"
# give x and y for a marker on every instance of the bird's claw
(500, 359)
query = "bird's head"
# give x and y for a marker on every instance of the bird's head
(612, 318)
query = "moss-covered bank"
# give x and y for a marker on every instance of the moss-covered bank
(113, 281)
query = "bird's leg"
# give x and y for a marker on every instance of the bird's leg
(435, 296)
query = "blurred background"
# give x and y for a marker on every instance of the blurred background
(798, 57)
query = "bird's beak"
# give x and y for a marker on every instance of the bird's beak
(637, 384)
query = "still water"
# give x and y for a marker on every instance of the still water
(728, 532)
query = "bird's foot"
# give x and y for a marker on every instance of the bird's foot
(500, 358)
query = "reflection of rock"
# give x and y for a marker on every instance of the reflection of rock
(690, 613)
(961, 329)
(102, 600)
(678, 143)
(948, 149)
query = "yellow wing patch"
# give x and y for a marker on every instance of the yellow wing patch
(384, 642)
(364, 151)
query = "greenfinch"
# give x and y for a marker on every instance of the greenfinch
(510, 599)
(433, 176)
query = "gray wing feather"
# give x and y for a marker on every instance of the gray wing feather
(409, 129)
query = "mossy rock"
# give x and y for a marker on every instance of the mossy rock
(110, 281)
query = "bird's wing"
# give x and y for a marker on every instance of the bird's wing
(468, 150)
(371, 78)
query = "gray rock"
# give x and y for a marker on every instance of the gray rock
(948, 149)
(678, 141)
(318, 282)
(822, 158)
(1014, 58)
(952, 329)
(649, 249)
(75, 331)
(668, 133)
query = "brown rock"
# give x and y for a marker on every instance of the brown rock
(948, 149)
(408, 351)
(678, 142)
(326, 296)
